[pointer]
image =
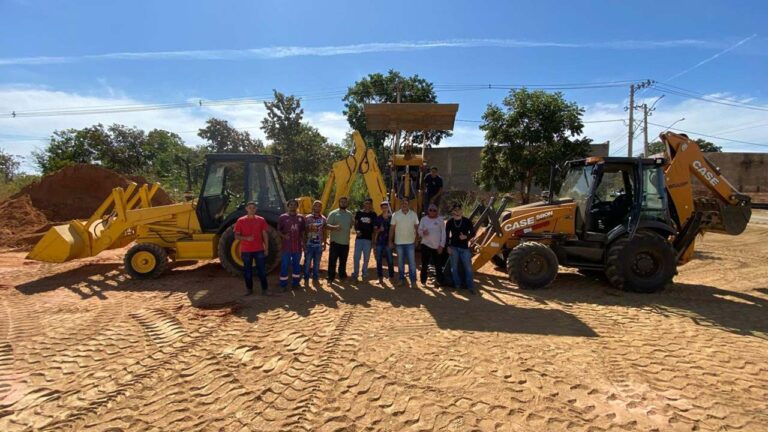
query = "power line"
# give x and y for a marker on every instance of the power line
(677, 91)
(711, 136)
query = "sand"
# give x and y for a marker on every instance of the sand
(84, 348)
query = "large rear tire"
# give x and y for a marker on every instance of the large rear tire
(532, 265)
(645, 264)
(145, 261)
(229, 251)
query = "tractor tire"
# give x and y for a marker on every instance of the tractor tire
(145, 261)
(500, 259)
(532, 265)
(228, 251)
(644, 264)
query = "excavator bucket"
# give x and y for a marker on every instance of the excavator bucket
(103, 230)
(725, 218)
(62, 243)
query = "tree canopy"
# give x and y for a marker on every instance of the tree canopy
(304, 152)
(380, 88)
(532, 131)
(9, 166)
(157, 155)
(223, 138)
(705, 146)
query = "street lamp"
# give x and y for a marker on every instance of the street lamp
(670, 126)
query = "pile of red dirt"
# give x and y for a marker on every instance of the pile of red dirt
(74, 192)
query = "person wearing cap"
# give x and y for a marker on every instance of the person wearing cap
(432, 234)
(291, 227)
(364, 220)
(339, 223)
(251, 232)
(458, 232)
(315, 241)
(433, 188)
(402, 235)
(381, 240)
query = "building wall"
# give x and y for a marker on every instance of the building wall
(748, 172)
(457, 164)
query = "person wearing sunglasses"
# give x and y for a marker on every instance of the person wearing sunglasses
(432, 234)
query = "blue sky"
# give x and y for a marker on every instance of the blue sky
(57, 54)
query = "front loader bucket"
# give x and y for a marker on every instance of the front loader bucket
(62, 243)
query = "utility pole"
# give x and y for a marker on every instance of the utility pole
(631, 136)
(631, 108)
(645, 130)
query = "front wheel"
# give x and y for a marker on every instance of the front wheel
(646, 263)
(145, 261)
(532, 265)
(229, 251)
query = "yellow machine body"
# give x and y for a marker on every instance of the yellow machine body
(127, 216)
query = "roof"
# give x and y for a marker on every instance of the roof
(410, 116)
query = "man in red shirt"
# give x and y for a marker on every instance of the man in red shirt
(251, 230)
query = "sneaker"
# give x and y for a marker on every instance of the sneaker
(248, 292)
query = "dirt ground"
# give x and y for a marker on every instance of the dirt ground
(84, 348)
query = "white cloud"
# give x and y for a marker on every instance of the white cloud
(700, 116)
(277, 52)
(22, 135)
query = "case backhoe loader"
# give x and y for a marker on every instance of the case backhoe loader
(634, 219)
(200, 230)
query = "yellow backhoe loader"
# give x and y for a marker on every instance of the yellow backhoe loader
(189, 231)
(406, 165)
(633, 219)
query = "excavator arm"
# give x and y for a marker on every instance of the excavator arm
(343, 173)
(728, 212)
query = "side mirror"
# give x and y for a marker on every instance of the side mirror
(545, 195)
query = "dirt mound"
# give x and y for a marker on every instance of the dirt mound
(74, 192)
(21, 222)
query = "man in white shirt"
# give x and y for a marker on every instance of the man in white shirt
(432, 233)
(402, 235)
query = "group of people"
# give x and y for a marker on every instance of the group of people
(383, 234)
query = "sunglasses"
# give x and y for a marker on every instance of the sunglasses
(432, 211)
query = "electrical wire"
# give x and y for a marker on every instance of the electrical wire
(710, 136)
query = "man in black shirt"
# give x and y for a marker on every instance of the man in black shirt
(458, 231)
(433, 188)
(364, 221)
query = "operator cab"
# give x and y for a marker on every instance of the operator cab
(614, 192)
(231, 180)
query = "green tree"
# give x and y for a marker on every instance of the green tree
(223, 138)
(302, 149)
(657, 146)
(9, 166)
(380, 88)
(72, 146)
(531, 132)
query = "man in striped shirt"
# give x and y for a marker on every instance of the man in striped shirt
(291, 228)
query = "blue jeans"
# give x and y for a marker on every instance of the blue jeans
(362, 248)
(292, 260)
(407, 251)
(383, 251)
(463, 256)
(248, 259)
(312, 256)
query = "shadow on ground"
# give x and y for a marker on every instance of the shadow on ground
(208, 287)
